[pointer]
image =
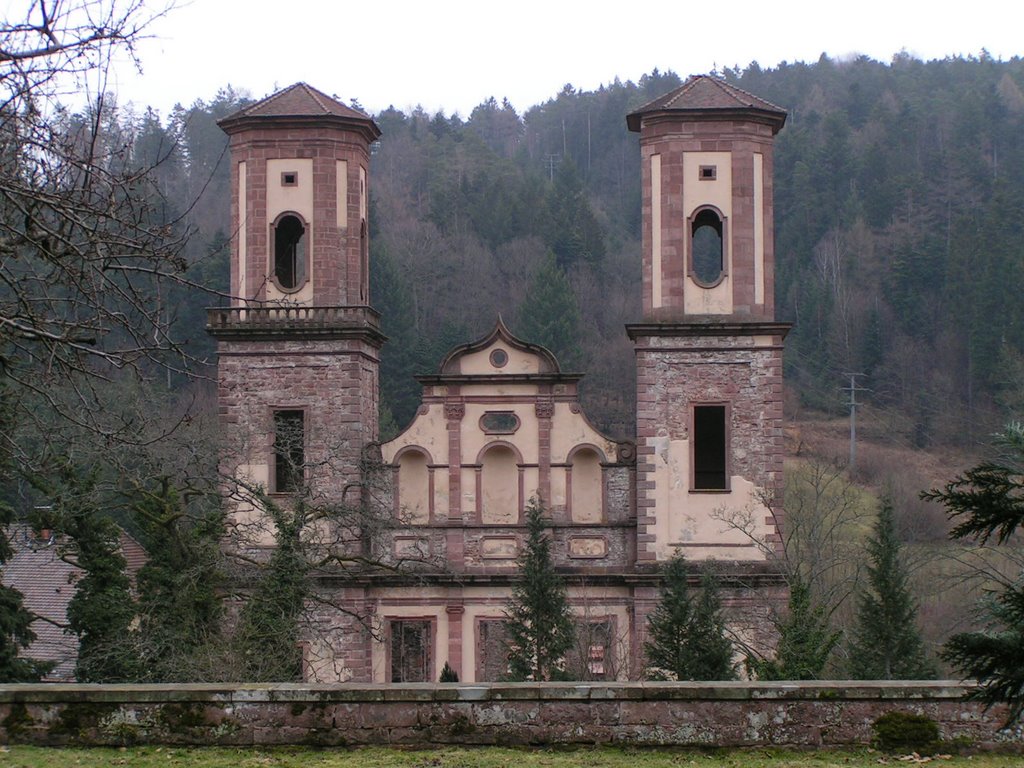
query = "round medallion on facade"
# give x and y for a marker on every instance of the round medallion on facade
(499, 358)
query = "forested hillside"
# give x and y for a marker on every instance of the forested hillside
(899, 242)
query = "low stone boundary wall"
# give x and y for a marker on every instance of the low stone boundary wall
(656, 714)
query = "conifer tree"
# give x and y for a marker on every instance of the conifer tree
(886, 642)
(806, 640)
(569, 225)
(102, 610)
(988, 500)
(539, 621)
(179, 608)
(268, 632)
(550, 314)
(686, 637)
(15, 621)
(448, 675)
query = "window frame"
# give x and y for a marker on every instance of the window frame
(707, 172)
(306, 239)
(511, 430)
(431, 652)
(727, 446)
(690, 267)
(273, 479)
(479, 646)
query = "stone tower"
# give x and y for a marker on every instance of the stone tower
(708, 350)
(299, 346)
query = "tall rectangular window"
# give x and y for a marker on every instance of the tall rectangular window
(289, 450)
(708, 433)
(411, 651)
(592, 657)
(491, 650)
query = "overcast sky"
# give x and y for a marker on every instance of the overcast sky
(452, 55)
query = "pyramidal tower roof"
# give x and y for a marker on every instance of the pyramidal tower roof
(299, 103)
(708, 97)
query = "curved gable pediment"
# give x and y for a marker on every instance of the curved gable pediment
(499, 353)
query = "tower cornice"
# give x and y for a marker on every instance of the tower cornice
(713, 327)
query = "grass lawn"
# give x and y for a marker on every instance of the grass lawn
(484, 757)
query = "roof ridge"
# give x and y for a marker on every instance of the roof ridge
(316, 96)
(271, 98)
(724, 84)
(687, 86)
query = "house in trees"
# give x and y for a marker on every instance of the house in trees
(438, 511)
(41, 568)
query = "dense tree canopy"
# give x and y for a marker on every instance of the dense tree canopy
(899, 193)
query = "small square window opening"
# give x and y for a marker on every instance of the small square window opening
(289, 179)
(708, 172)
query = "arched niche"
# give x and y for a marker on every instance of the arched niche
(413, 489)
(500, 493)
(585, 484)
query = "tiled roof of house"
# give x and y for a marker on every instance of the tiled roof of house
(704, 94)
(300, 101)
(47, 584)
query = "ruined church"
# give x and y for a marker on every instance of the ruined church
(439, 510)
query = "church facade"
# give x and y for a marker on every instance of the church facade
(420, 536)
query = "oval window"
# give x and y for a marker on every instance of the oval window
(499, 422)
(706, 247)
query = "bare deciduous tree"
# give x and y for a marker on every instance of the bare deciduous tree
(86, 251)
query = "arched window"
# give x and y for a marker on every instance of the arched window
(289, 252)
(499, 487)
(414, 487)
(586, 497)
(707, 252)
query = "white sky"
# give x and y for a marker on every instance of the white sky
(452, 54)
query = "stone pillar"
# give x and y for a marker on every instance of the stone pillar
(455, 536)
(545, 409)
(455, 612)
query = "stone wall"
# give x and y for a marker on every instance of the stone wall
(651, 714)
(679, 366)
(334, 383)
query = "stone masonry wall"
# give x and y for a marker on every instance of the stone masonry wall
(675, 371)
(333, 381)
(671, 140)
(423, 715)
(337, 251)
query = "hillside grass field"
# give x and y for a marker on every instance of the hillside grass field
(483, 757)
